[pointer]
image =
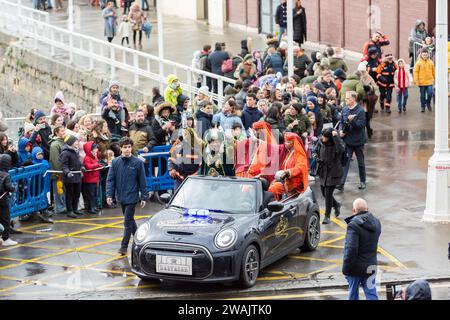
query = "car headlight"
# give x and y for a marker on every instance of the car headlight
(142, 232)
(225, 239)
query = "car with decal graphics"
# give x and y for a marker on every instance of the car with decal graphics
(221, 229)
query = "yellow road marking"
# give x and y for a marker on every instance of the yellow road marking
(331, 232)
(392, 258)
(331, 246)
(332, 240)
(315, 259)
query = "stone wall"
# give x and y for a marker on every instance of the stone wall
(30, 80)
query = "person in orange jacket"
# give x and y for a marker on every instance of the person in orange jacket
(385, 80)
(293, 170)
(378, 40)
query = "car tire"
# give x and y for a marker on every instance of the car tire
(312, 236)
(249, 267)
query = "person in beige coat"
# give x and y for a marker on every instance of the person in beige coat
(371, 95)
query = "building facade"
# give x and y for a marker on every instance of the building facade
(344, 23)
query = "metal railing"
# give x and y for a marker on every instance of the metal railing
(91, 54)
(417, 49)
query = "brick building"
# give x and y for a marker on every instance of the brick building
(344, 23)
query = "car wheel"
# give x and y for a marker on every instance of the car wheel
(249, 267)
(312, 237)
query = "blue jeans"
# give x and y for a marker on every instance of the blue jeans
(359, 152)
(370, 290)
(60, 199)
(402, 99)
(426, 94)
(280, 35)
(129, 223)
(142, 5)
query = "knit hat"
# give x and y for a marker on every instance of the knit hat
(38, 114)
(319, 86)
(204, 90)
(340, 74)
(372, 50)
(298, 107)
(70, 140)
(324, 62)
(113, 83)
(362, 66)
(28, 127)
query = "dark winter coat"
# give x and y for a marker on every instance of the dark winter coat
(275, 62)
(5, 180)
(330, 167)
(159, 135)
(215, 60)
(141, 134)
(356, 136)
(361, 244)
(281, 16)
(56, 145)
(70, 161)
(45, 134)
(301, 63)
(299, 25)
(204, 122)
(126, 180)
(250, 116)
(114, 125)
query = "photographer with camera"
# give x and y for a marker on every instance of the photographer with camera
(328, 155)
(352, 130)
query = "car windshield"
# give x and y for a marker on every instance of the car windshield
(217, 195)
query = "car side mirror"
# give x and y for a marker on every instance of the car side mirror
(275, 206)
(165, 197)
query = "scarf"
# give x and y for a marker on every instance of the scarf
(401, 78)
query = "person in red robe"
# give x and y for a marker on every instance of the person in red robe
(293, 169)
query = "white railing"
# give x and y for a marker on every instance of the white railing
(417, 49)
(85, 52)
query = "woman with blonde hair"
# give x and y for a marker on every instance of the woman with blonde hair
(136, 18)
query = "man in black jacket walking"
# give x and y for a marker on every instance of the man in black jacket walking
(360, 251)
(126, 179)
(281, 18)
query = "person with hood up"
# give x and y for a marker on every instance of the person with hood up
(56, 145)
(60, 107)
(5, 188)
(37, 156)
(25, 147)
(71, 168)
(312, 105)
(41, 134)
(246, 70)
(417, 34)
(296, 120)
(186, 156)
(293, 174)
(329, 153)
(184, 111)
(91, 179)
(418, 290)
(360, 251)
(173, 90)
(402, 80)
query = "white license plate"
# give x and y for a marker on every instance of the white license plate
(174, 265)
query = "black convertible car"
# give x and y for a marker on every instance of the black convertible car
(220, 230)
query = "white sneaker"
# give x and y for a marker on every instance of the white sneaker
(9, 243)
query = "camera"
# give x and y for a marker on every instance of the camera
(393, 291)
(287, 97)
(346, 127)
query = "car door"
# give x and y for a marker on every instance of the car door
(270, 240)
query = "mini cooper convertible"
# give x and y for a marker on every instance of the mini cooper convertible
(221, 230)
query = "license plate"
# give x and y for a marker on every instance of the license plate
(174, 265)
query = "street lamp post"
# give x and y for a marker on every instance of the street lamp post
(160, 40)
(438, 184)
(290, 35)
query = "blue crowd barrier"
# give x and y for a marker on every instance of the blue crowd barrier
(158, 157)
(32, 188)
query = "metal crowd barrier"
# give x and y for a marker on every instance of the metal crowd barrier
(156, 165)
(417, 48)
(32, 189)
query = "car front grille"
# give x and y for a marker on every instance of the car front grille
(202, 262)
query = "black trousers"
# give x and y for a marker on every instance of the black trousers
(73, 191)
(129, 223)
(110, 39)
(134, 36)
(5, 219)
(90, 195)
(385, 97)
(330, 201)
(359, 152)
(125, 38)
(126, 7)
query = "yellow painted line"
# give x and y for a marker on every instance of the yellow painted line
(92, 224)
(392, 258)
(101, 218)
(286, 273)
(130, 274)
(86, 237)
(106, 286)
(33, 226)
(332, 240)
(315, 259)
(144, 286)
(293, 296)
(33, 242)
(117, 257)
(331, 246)
(11, 288)
(273, 278)
(331, 232)
(106, 253)
(323, 269)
